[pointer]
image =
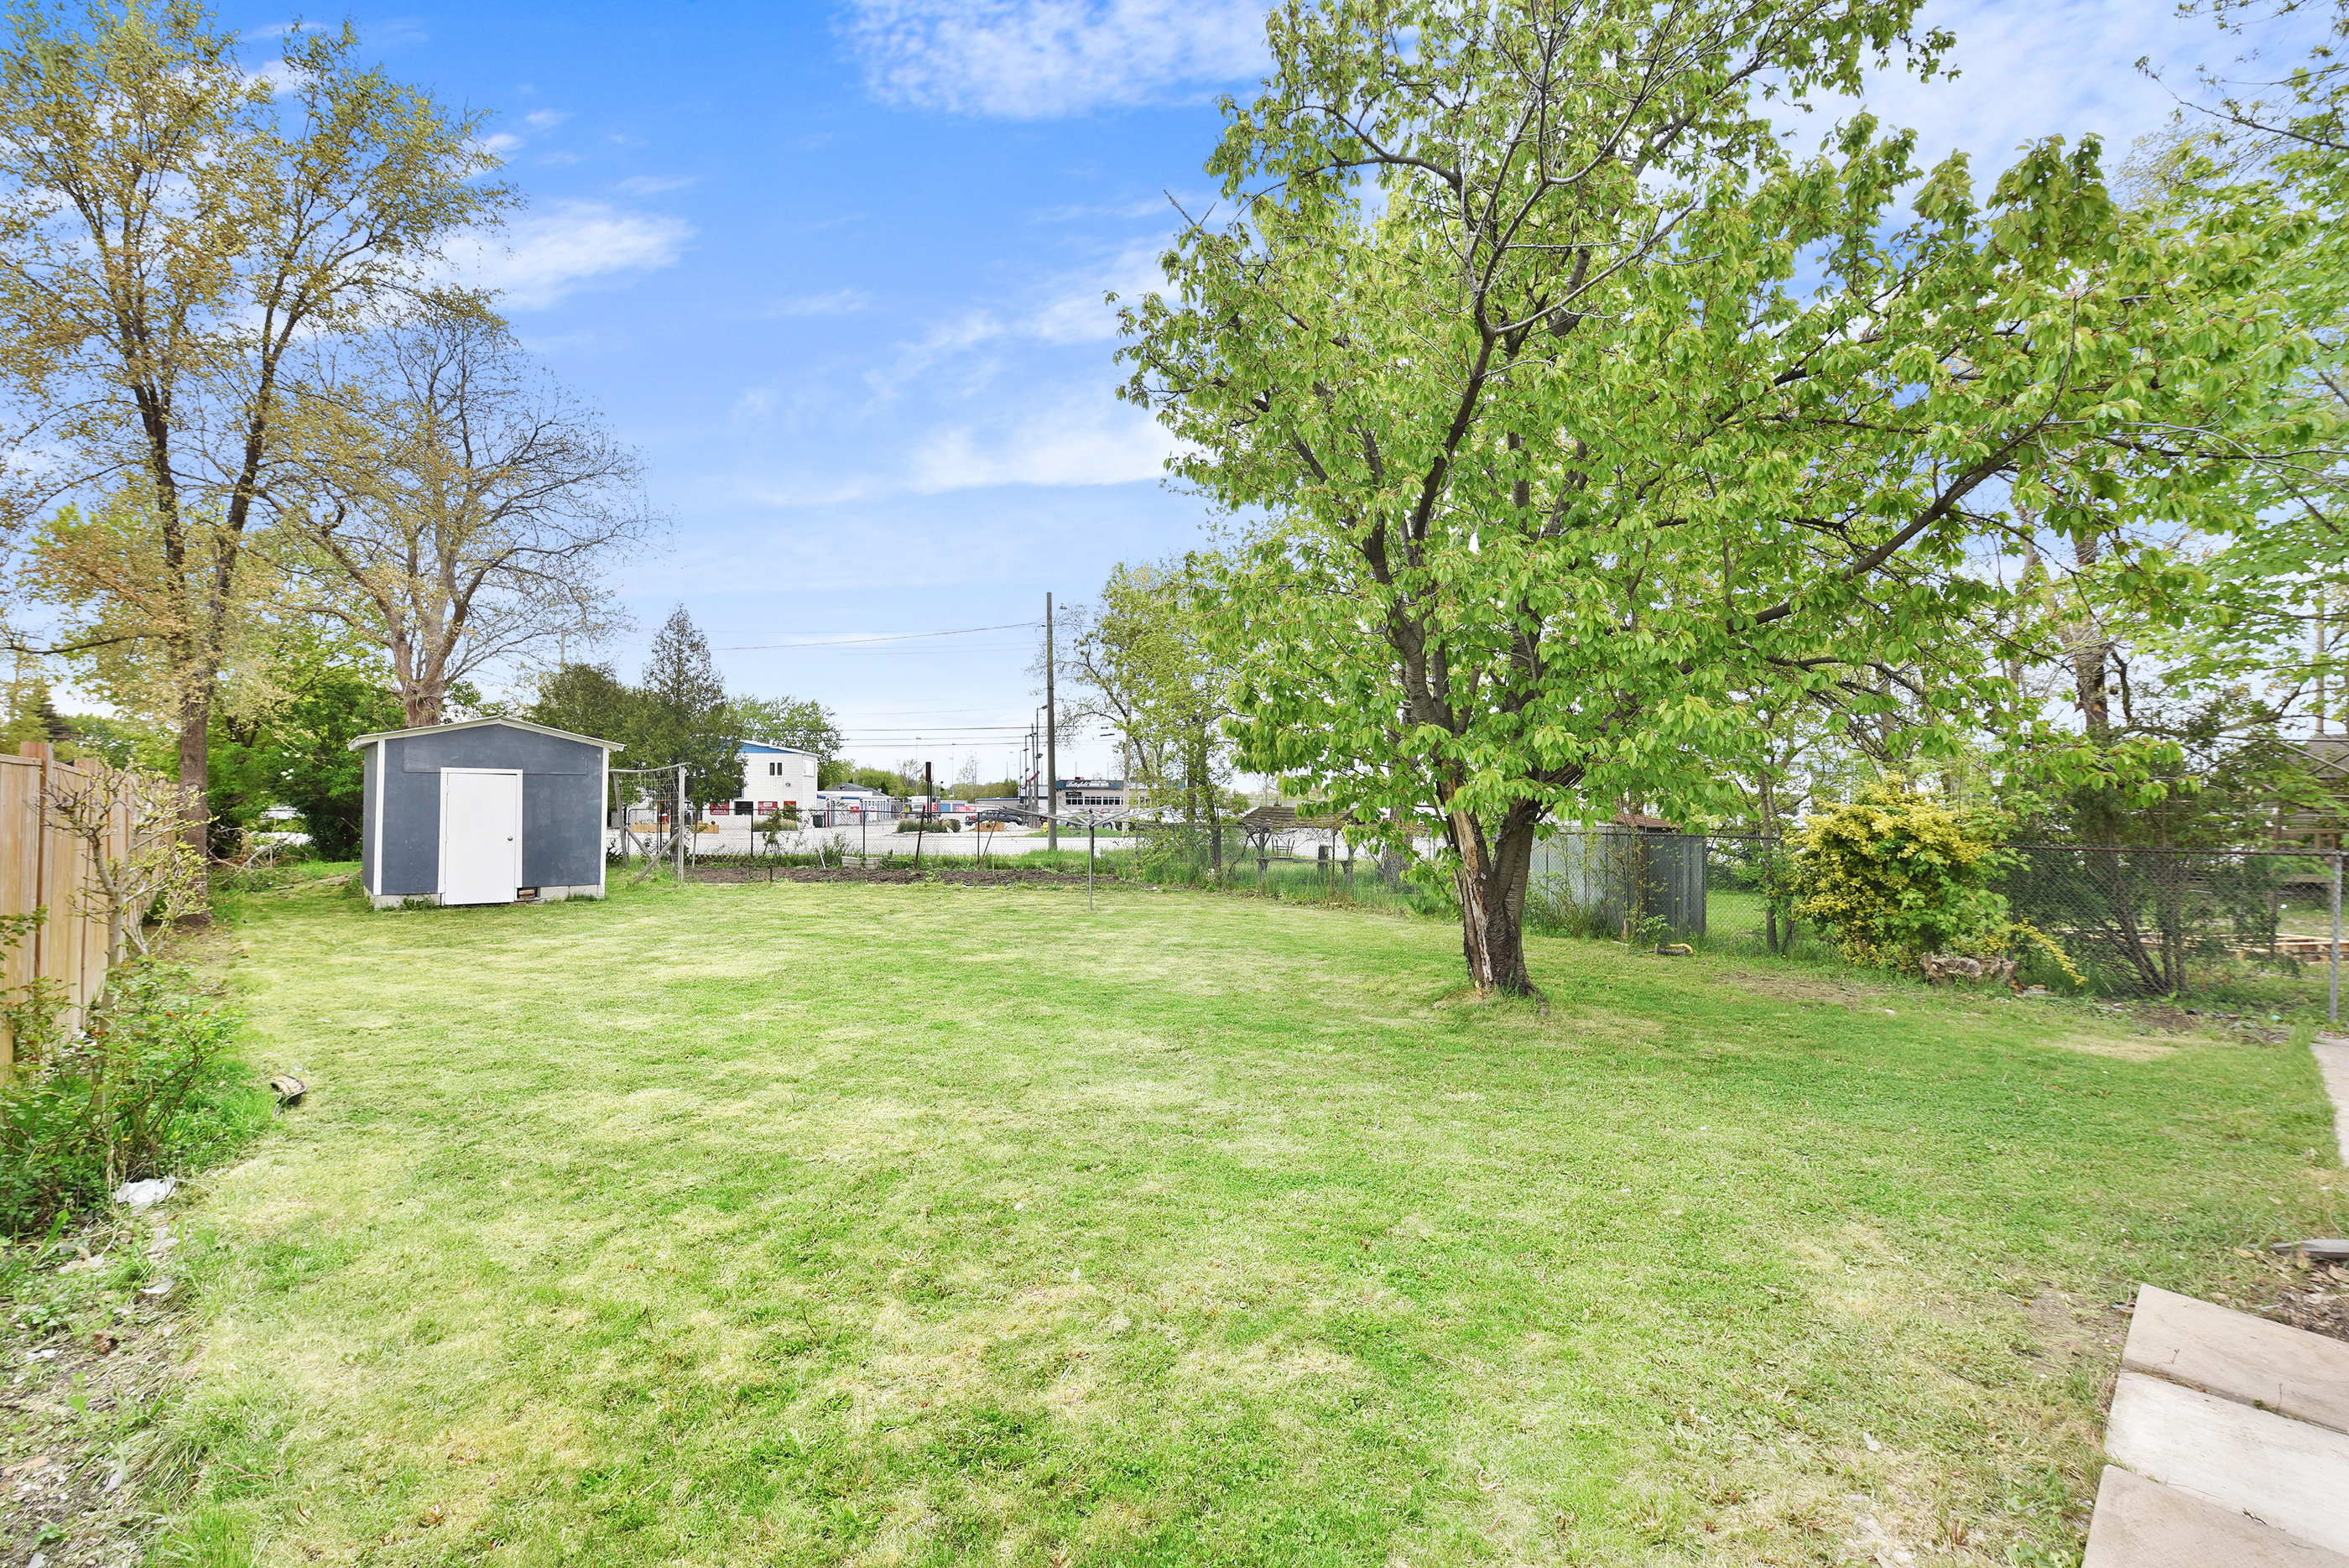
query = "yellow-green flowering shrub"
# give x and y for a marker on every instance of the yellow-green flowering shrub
(1895, 872)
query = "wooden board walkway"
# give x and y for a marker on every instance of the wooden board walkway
(2229, 1440)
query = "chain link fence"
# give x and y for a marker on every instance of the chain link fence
(2251, 928)
(2177, 922)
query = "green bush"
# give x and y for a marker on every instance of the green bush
(152, 1087)
(1895, 872)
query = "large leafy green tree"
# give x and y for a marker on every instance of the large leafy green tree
(286, 741)
(1145, 652)
(589, 700)
(310, 765)
(799, 721)
(1580, 415)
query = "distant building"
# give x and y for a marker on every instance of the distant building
(1089, 795)
(845, 805)
(773, 777)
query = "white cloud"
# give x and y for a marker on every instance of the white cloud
(833, 302)
(1078, 311)
(502, 142)
(1051, 437)
(2029, 71)
(1034, 59)
(1084, 438)
(1069, 310)
(652, 185)
(546, 119)
(544, 256)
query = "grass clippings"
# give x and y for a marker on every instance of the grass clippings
(932, 1224)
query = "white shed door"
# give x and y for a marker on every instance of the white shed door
(481, 836)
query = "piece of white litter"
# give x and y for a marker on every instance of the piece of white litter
(1873, 1446)
(1889, 1014)
(145, 1194)
(159, 1288)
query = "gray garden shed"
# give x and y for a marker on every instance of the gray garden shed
(488, 811)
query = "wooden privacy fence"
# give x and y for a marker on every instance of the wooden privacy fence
(42, 866)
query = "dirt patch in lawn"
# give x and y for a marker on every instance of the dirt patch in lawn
(76, 1379)
(964, 875)
(1800, 987)
(2121, 1050)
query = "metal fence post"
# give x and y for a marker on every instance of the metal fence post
(2332, 1000)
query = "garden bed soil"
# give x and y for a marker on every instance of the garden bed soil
(968, 876)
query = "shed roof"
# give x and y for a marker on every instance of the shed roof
(480, 723)
(743, 747)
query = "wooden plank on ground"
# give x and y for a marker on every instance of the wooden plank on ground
(2240, 1357)
(2143, 1524)
(2288, 1474)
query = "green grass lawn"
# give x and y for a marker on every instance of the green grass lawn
(776, 1223)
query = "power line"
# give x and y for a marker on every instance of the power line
(893, 637)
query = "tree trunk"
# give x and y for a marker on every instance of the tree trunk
(195, 767)
(421, 704)
(1492, 879)
(2090, 656)
(2098, 811)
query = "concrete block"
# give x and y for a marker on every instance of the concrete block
(2333, 1065)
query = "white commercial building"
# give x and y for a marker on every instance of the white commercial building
(1088, 795)
(773, 777)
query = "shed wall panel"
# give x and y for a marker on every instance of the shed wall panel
(367, 817)
(562, 805)
(562, 829)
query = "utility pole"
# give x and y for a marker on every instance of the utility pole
(677, 835)
(1052, 740)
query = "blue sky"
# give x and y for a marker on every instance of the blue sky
(836, 270)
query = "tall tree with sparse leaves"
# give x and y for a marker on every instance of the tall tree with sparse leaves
(173, 236)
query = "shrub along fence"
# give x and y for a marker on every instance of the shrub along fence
(45, 879)
(2173, 923)
(2254, 927)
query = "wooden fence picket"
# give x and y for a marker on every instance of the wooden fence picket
(42, 865)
